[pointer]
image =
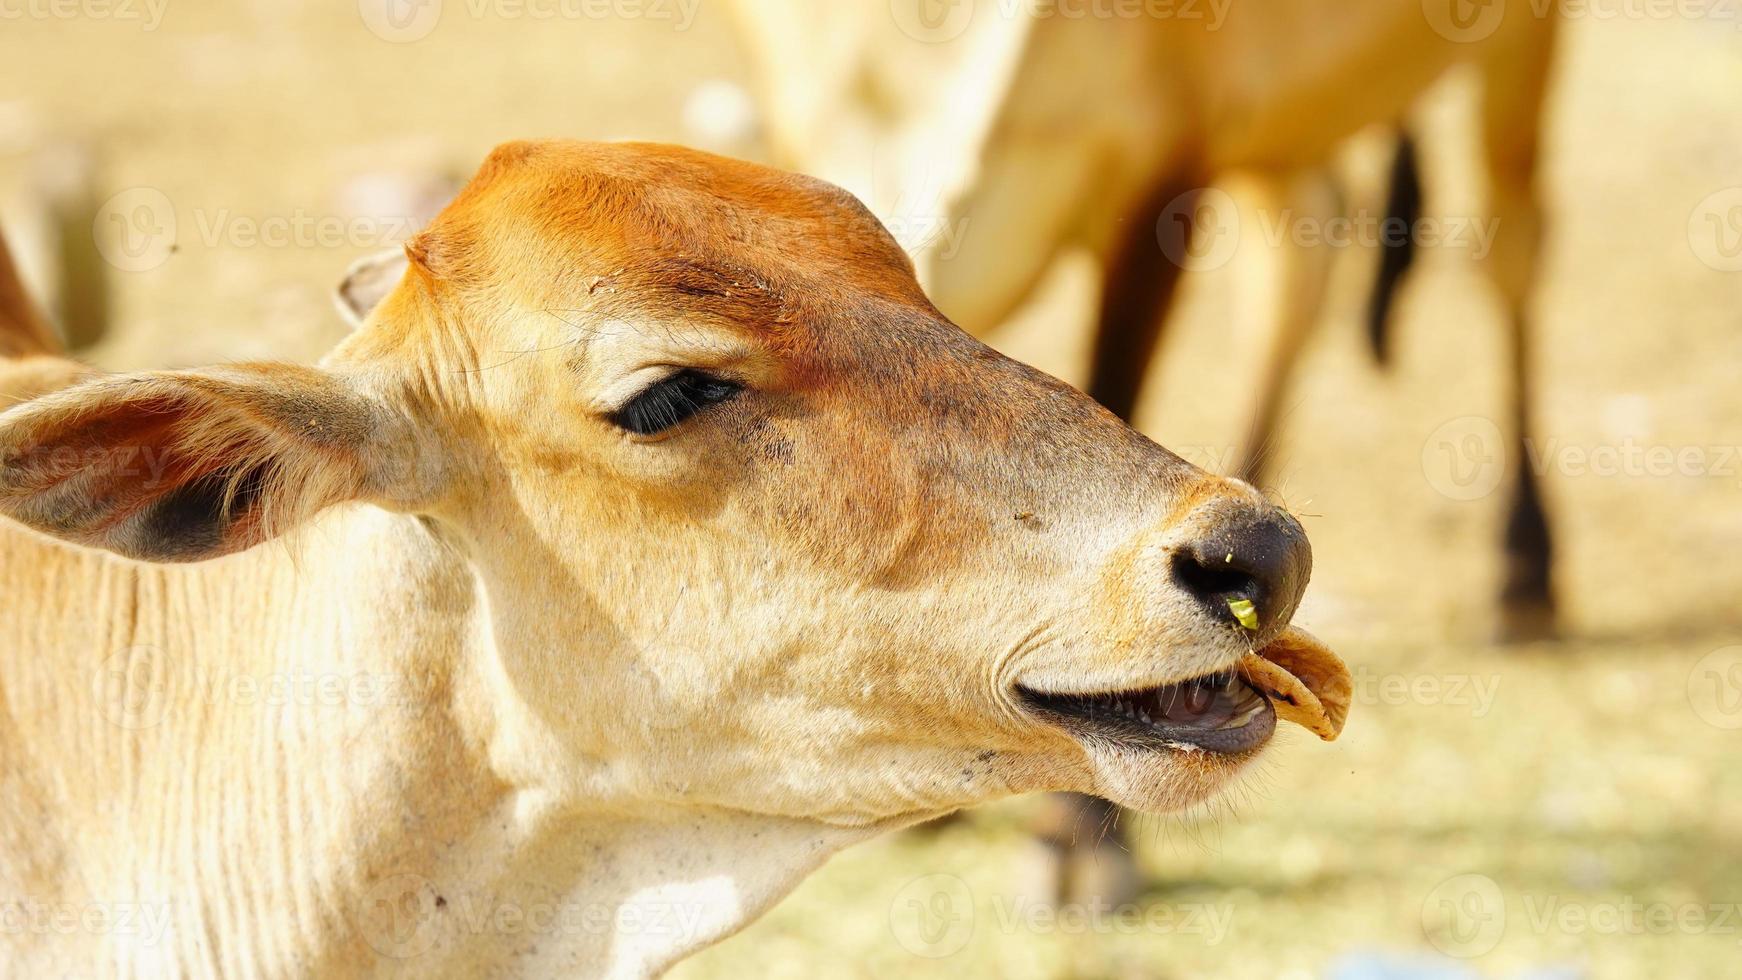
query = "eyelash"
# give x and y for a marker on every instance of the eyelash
(673, 400)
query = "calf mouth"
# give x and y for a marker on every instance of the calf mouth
(1218, 713)
(1294, 677)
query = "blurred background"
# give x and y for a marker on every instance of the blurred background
(186, 181)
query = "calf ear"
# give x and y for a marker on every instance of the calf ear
(189, 465)
(367, 282)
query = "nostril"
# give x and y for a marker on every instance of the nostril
(1258, 555)
(1211, 581)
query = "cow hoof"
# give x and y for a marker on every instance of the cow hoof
(1100, 877)
(1526, 621)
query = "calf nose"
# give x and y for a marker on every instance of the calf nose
(1249, 551)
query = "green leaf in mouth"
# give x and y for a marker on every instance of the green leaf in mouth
(1245, 612)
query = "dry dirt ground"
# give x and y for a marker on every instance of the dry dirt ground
(1571, 809)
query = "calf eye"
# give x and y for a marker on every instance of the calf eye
(669, 402)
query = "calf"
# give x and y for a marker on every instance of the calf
(654, 539)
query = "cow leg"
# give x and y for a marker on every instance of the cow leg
(1290, 298)
(53, 234)
(22, 330)
(1137, 289)
(30, 365)
(1083, 855)
(1512, 108)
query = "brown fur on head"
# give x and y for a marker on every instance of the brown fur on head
(665, 224)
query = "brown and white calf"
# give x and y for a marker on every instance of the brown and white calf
(653, 540)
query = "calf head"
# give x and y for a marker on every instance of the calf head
(756, 526)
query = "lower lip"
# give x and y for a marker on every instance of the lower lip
(1094, 718)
